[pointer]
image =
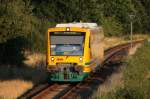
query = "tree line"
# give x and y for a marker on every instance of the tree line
(22, 17)
(31, 18)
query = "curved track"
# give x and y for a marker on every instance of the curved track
(53, 92)
(113, 57)
(85, 89)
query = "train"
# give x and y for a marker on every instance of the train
(74, 50)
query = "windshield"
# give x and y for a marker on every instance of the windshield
(67, 43)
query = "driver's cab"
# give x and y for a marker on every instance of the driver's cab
(68, 45)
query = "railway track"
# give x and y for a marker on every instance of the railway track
(48, 91)
(54, 91)
(112, 51)
(85, 88)
(113, 57)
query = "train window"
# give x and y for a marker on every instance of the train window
(67, 43)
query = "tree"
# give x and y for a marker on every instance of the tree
(67, 10)
(16, 19)
(111, 26)
(144, 13)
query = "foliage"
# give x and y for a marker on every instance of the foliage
(37, 39)
(16, 19)
(66, 10)
(136, 84)
(122, 93)
(91, 11)
(21, 17)
(11, 51)
(111, 26)
(136, 70)
(120, 9)
(29, 19)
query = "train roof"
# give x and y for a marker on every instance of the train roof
(80, 25)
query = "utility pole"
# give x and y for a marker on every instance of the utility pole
(131, 31)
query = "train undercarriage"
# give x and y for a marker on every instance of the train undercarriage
(67, 72)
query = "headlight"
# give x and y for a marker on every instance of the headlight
(52, 58)
(67, 29)
(80, 58)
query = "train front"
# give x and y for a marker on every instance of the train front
(67, 54)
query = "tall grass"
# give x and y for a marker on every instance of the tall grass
(137, 66)
(136, 80)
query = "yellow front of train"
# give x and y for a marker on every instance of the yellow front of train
(68, 53)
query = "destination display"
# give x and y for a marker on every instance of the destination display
(67, 33)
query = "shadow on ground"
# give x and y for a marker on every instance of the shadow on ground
(12, 66)
(35, 75)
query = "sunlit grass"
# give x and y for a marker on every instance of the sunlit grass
(15, 80)
(112, 41)
(136, 84)
(10, 89)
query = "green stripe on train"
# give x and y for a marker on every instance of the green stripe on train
(70, 77)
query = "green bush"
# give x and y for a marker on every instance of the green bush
(128, 94)
(37, 39)
(111, 26)
(136, 85)
(134, 74)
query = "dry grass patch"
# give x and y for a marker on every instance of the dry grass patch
(114, 81)
(113, 41)
(11, 89)
(35, 60)
(15, 80)
(141, 36)
(134, 49)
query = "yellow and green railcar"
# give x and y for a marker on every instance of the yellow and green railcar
(69, 52)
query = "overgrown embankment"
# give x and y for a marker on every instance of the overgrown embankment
(136, 80)
(136, 77)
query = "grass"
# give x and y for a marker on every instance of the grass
(114, 81)
(112, 41)
(136, 78)
(10, 89)
(14, 81)
(134, 74)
